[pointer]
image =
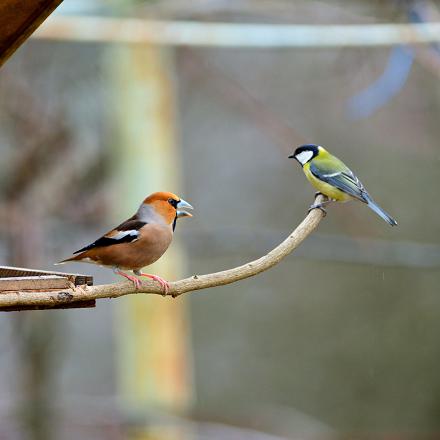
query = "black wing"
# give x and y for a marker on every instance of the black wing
(125, 233)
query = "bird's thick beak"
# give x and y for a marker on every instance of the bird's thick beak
(292, 156)
(182, 204)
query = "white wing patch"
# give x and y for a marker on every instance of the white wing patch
(304, 157)
(332, 174)
(122, 234)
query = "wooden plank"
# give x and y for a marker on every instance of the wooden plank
(45, 282)
(73, 305)
(18, 20)
(19, 278)
(75, 278)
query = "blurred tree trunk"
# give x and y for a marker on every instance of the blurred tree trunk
(37, 136)
(33, 330)
(153, 356)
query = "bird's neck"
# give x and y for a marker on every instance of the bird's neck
(148, 214)
(323, 154)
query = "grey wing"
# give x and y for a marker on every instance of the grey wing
(345, 181)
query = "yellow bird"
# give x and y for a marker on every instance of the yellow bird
(331, 177)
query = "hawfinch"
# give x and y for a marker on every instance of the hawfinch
(140, 240)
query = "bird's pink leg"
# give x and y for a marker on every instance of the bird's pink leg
(132, 278)
(164, 283)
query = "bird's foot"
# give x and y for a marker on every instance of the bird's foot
(164, 283)
(318, 206)
(133, 279)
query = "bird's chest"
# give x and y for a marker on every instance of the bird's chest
(151, 245)
(154, 240)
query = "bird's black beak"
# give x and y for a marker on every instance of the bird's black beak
(292, 156)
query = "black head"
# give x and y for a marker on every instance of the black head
(305, 153)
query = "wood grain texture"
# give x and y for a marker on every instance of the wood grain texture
(40, 282)
(75, 278)
(18, 20)
(34, 283)
(19, 299)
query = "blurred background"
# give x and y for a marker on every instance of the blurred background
(338, 341)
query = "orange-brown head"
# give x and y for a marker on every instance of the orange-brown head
(166, 205)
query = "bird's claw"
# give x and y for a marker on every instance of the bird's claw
(136, 283)
(165, 285)
(317, 206)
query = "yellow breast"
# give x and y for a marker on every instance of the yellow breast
(326, 189)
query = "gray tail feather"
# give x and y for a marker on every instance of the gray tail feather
(380, 212)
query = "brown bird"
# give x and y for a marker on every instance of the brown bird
(139, 241)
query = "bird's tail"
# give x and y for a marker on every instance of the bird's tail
(72, 258)
(380, 212)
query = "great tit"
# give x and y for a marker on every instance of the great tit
(334, 179)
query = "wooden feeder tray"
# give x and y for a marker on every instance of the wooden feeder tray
(30, 280)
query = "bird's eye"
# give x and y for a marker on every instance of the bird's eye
(173, 202)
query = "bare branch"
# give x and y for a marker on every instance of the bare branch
(17, 299)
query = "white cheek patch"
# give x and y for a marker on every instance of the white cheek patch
(304, 156)
(122, 234)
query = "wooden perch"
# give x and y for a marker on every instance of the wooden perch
(18, 19)
(17, 279)
(19, 299)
